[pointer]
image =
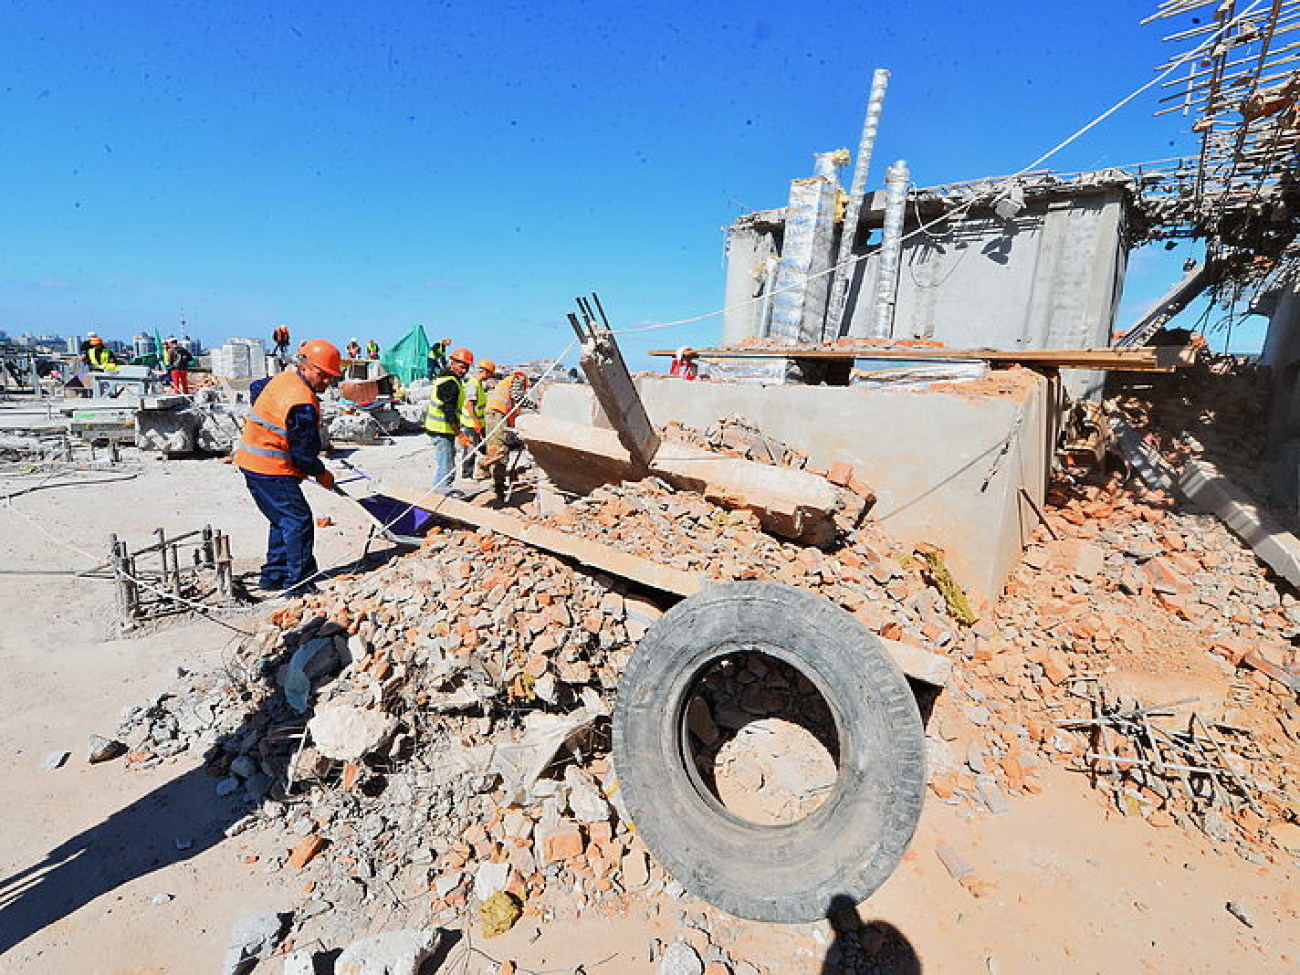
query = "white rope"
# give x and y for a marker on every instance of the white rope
(962, 207)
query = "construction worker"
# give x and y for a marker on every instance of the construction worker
(177, 359)
(471, 415)
(438, 357)
(353, 349)
(372, 349)
(503, 405)
(84, 350)
(280, 340)
(100, 356)
(442, 419)
(280, 447)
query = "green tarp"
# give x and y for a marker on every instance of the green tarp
(408, 360)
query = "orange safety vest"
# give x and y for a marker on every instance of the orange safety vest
(500, 400)
(264, 448)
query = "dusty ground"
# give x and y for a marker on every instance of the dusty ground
(92, 880)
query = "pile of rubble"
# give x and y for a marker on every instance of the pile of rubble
(1124, 604)
(432, 737)
(735, 436)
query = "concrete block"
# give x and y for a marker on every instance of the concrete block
(166, 431)
(1278, 548)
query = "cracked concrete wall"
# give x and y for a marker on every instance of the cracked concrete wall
(948, 465)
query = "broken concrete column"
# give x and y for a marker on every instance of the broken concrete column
(793, 504)
(612, 384)
(802, 277)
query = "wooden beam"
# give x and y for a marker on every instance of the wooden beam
(915, 662)
(1144, 359)
(595, 554)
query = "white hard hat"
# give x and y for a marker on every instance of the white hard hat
(171, 338)
(353, 340)
(91, 335)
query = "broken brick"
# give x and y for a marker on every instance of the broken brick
(307, 851)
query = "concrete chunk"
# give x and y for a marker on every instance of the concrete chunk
(389, 953)
(251, 939)
(346, 733)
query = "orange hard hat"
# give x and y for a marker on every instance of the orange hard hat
(488, 366)
(323, 355)
(96, 340)
(462, 355)
(446, 341)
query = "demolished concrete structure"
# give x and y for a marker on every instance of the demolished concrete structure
(958, 467)
(1028, 263)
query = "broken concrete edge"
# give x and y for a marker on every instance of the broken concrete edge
(1203, 484)
(915, 662)
(789, 503)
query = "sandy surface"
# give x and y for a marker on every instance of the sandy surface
(94, 882)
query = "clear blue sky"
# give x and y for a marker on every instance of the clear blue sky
(353, 168)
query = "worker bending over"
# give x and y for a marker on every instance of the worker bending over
(503, 405)
(280, 447)
(438, 358)
(442, 419)
(471, 415)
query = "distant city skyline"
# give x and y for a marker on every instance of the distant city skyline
(351, 170)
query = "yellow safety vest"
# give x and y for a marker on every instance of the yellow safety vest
(434, 420)
(471, 412)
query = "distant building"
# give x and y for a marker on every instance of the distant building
(142, 345)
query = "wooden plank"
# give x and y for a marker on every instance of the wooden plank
(915, 662)
(595, 554)
(1145, 359)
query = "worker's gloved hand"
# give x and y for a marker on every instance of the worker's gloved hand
(462, 438)
(326, 480)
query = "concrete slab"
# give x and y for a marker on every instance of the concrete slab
(790, 503)
(1278, 548)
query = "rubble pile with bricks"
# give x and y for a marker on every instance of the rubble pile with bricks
(1126, 589)
(431, 738)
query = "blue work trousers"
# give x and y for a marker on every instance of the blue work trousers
(289, 558)
(444, 461)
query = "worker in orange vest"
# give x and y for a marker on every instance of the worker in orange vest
(503, 405)
(280, 447)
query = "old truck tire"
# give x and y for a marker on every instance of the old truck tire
(789, 872)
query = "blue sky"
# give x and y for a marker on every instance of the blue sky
(353, 168)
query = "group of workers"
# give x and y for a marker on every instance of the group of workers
(281, 444)
(475, 411)
(354, 350)
(175, 358)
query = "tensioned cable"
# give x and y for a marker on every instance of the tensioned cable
(962, 207)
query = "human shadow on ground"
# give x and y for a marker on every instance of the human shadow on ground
(875, 947)
(134, 841)
(175, 822)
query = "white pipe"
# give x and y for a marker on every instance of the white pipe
(897, 179)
